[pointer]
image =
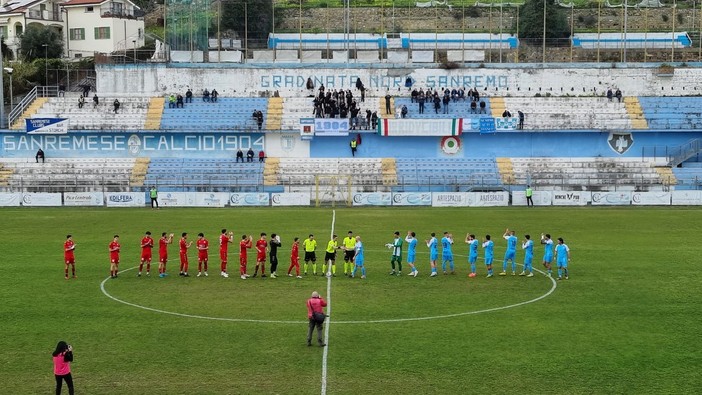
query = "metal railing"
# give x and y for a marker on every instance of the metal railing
(673, 155)
(28, 99)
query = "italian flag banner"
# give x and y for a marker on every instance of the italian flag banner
(420, 127)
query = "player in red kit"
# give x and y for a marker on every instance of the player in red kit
(68, 256)
(245, 243)
(147, 244)
(163, 243)
(295, 258)
(224, 241)
(202, 246)
(261, 251)
(184, 245)
(114, 256)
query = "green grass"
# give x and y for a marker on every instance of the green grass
(627, 321)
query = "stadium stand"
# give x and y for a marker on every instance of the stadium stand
(458, 109)
(564, 113)
(29, 112)
(303, 172)
(226, 113)
(197, 175)
(592, 173)
(67, 174)
(672, 112)
(444, 175)
(131, 113)
(294, 108)
(688, 176)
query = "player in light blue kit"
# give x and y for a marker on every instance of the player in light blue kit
(548, 252)
(411, 240)
(510, 253)
(446, 253)
(528, 247)
(488, 245)
(562, 258)
(433, 245)
(358, 258)
(472, 252)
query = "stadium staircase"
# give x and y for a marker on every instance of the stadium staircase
(69, 174)
(381, 108)
(29, 112)
(497, 107)
(595, 174)
(275, 113)
(141, 166)
(5, 174)
(388, 168)
(677, 113)
(131, 114)
(564, 113)
(270, 171)
(204, 175)
(154, 113)
(636, 114)
(504, 165)
(447, 175)
(226, 114)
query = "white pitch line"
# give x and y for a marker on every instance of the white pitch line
(325, 353)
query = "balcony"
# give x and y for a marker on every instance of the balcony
(114, 11)
(45, 15)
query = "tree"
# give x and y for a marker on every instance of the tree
(6, 52)
(258, 23)
(34, 39)
(531, 20)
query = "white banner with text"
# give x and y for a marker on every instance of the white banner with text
(83, 199)
(125, 199)
(290, 199)
(42, 199)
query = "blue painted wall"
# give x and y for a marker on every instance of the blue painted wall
(502, 144)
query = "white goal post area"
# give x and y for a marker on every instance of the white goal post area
(333, 189)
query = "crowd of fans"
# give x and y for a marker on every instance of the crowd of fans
(342, 104)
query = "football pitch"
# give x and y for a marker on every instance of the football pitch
(627, 321)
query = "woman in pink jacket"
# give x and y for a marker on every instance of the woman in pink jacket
(63, 356)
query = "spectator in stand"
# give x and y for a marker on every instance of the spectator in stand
(403, 111)
(374, 120)
(470, 94)
(206, 95)
(81, 101)
(506, 114)
(473, 107)
(421, 99)
(363, 93)
(189, 96)
(521, 119)
(447, 100)
(609, 94)
(437, 103)
(259, 120)
(40, 154)
(96, 101)
(86, 90)
(462, 94)
(116, 104)
(413, 96)
(249, 155)
(618, 95)
(239, 155)
(215, 95)
(62, 90)
(359, 84)
(388, 107)
(171, 101)
(476, 95)
(354, 117)
(454, 95)
(179, 101)
(261, 156)
(482, 107)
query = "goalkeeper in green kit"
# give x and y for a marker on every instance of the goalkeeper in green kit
(396, 247)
